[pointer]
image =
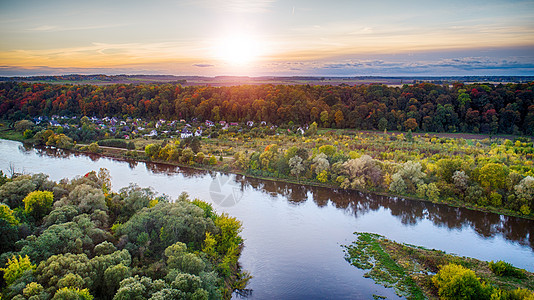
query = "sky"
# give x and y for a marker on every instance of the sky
(267, 37)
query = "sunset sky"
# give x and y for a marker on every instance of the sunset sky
(267, 37)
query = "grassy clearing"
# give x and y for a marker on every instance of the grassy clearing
(408, 269)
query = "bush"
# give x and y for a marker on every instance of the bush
(117, 143)
(501, 268)
(457, 282)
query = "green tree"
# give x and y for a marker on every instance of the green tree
(152, 150)
(312, 130)
(68, 293)
(15, 268)
(178, 258)
(382, 124)
(23, 125)
(446, 168)
(324, 118)
(7, 214)
(329, 150)
(14, 191)
(38, 203)
(493, 176)
(408, 177)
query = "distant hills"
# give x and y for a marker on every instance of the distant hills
(101, 79)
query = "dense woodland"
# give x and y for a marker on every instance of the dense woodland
(483, 108)
(77, 239)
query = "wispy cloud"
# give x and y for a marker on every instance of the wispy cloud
(204, 65)
(237, 6)
(55, 28)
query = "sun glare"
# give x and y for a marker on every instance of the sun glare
(238, 50)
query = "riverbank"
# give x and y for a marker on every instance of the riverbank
(409, 269)
(227, 162)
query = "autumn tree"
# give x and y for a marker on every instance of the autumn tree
(38, 203)
(411, 124)
(493, 176)
(407, 178)
(296, 166)
(457, 282)
(362, 172)
(15, 268)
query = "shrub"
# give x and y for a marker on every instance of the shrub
(501, 268)
(457, 282)
(117, 143)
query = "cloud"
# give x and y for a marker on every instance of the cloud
(238, 6)
(54, 28)
(204, 65)
(43, 28)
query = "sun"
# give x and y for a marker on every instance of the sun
(238, 50)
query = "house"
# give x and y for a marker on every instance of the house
(250, 123)
(263, 123)
(185, 134)
(234, 124)
(222, 123)
(151, 134)
(300, 130)
(38, 120)
(198, 132)
(209, 123)
(54, 123)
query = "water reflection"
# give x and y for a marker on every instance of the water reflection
(354, 203)
(409, 212)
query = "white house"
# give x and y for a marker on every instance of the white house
(152, 133)
(186, 134)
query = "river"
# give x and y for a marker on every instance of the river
(293, 234)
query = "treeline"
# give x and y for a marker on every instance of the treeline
(77, 239)
(460, 175)
(484, 108)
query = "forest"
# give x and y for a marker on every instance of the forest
(476, 108)
(78, 239)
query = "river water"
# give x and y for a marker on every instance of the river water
(293, 234)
